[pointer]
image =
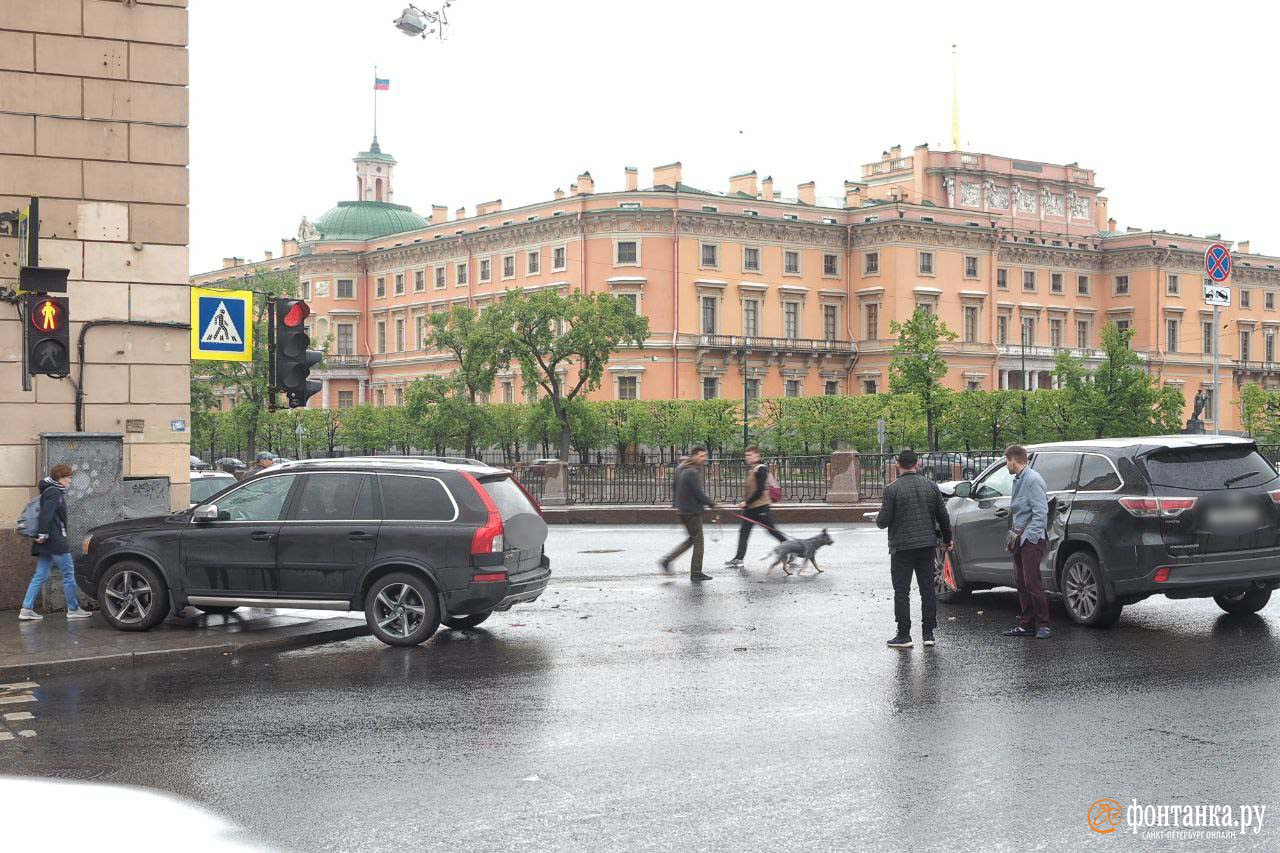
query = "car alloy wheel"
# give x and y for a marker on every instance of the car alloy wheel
(1081, 590)
(129, 597)
(399, 610)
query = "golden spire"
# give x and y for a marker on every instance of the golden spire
(955, 103)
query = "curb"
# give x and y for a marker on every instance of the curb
(24, 671)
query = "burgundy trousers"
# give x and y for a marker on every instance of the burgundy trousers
(1026, 579)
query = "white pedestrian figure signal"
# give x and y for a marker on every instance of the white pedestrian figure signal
(220, 329)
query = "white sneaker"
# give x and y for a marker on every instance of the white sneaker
(28, 615)
(79, 613)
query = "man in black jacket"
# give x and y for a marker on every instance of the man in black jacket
(915, 513)
(51, 546)
(689, 500)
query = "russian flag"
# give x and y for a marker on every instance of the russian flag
(381, 84)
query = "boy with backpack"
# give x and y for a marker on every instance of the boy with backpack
(762, 491)
(45, 521)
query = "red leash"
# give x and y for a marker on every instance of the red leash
(761, 524)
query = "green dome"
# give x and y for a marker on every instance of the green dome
(367, 220)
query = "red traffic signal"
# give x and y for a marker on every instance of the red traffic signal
(296, 314)
(48, 339)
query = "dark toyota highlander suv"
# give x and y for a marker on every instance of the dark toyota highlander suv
(1183, 516)
(412, 542)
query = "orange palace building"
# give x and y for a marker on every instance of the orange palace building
(798, 293)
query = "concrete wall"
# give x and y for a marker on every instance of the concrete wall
(93, 119)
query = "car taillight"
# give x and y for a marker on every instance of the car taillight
(1274, 494)
(1162, 574)
(487, 539)
(489, 577)
(1157, 507)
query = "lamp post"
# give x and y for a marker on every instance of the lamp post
(746, 413)
(1024, 380)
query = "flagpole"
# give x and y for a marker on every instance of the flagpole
(375, 102)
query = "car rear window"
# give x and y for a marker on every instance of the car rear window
(1206, 468)
(508, 497)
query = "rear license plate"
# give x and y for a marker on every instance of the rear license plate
(1233, 518)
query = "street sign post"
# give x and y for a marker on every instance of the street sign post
(221, 324)
(1217, 266)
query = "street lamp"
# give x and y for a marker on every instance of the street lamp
(417, 22)
(1024, 380)
(746, 413)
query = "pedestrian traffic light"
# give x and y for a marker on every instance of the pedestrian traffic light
(48, 335)
(293, 359)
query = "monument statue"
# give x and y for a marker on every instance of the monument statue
(1195, 426)
(307, 232)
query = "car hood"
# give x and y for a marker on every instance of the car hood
(129, 525)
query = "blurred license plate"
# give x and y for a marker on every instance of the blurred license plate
(1233, 517)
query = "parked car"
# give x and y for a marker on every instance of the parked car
(230, 464)
(411, 542)
(198, 464)
(1184, 516)
(206, 484)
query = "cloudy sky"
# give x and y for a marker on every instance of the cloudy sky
(525, 95)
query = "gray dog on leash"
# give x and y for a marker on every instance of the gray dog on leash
(803, 549)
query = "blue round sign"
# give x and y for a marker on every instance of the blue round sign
(1217, 262)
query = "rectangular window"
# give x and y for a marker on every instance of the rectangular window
(1082, 334)
(791, 320)
(710, 255)
(1171, 283)
(793, 387)
(346, 399)
(306, 290)
(872, 330)
(1055, 282)
(708, 315)
(558, 259)
(1028, 280)
(1002, 279)
(380, 287)
(752, 389)
(1244, 345)
(970, 266)
(970, 324)
(634, 299)
(871, 263)
(400, 335)
(399, 396)
(1171, 335)
(382, 337)
(1269, 301)
(346, 339)
(1269, 347)
(1124, 325)
(869, 386)
(462, 273)
(751, 318)
(486, 270)
(1029, 331)
(508, 266)
(710, 388)
(831, 265)
(346, 288)
(831, 388)
(399, 284)
(420, 331)
(830, 323)
(627, 387)
(628, 252)
(1122, 285)
(1082, 285)
(439, 279)
(1245, 299)
(1055, 333)
(419, 281)
(751, 259)
(1206, 343)
(508, 392)
(791, 263)
(1002, 329)
(533, 263)
(925, 262)
(926, 307)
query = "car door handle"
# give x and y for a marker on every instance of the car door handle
(262, 536)
(360, 536)
(1002, 513)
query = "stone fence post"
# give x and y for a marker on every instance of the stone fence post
(555, 489)
(845, 477)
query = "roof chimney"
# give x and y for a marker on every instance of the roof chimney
(766, 188)
(559, 194)
(484, 208)
(573, 188)
(667, 176)
(461, 213)
(227, 263)
(853, 193)
(267, 252)
(439, 214)
(1111, 224)
(586, 184)
(633, 178)
(807, 193)
(895, 152)
(744, 183)
(1243, 247)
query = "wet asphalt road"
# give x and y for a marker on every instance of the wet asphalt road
(627, 710)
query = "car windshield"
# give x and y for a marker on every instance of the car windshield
(1236, 466)
(206, 487)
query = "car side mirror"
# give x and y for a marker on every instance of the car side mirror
(964, 490)
(208, 512)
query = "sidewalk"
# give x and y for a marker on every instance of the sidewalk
(806, 513)
(56, 646)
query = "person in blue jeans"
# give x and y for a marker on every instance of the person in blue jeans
(51, 545)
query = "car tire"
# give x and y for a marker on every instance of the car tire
(1083, 595)
(471, 620)
(1250, 601)
(133, 596)
(401, 609)
(942, 590)
(215, 609)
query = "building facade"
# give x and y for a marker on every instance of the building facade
(788, 295)
(93, 121)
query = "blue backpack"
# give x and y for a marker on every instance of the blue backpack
(29, 521)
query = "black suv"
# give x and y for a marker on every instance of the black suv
(411, 541)
(1183, 516)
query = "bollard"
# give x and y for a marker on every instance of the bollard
(555, 488)
(845, 476)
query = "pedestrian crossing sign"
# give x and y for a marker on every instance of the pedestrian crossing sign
(221, 324)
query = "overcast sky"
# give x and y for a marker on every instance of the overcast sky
(525, 95)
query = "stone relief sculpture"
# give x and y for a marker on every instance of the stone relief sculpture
(970, 195)
(997, 197)
(1050, 203)
(1079, 205)
(1025, 199)
(949, 184)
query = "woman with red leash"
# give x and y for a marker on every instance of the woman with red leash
(761, 491)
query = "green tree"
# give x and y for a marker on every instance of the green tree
(918, 366)
(627, 423)
(981, 420)
(480, 343)
(362, 428)
(1119, 397)
(551, 333)
(506, 422)
(716, 423)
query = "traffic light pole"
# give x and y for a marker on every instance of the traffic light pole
(271, 354)
(1216, 331)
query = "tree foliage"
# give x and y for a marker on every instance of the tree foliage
(918, 366)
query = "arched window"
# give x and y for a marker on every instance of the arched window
(359, 189)
(378, 184)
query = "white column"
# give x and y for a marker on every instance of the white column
(324, 393)
(1035, 380)
(1004, 380)
(362, 384)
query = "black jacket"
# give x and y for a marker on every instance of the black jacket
(53, 520)
(915, 513)
(688, 495)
